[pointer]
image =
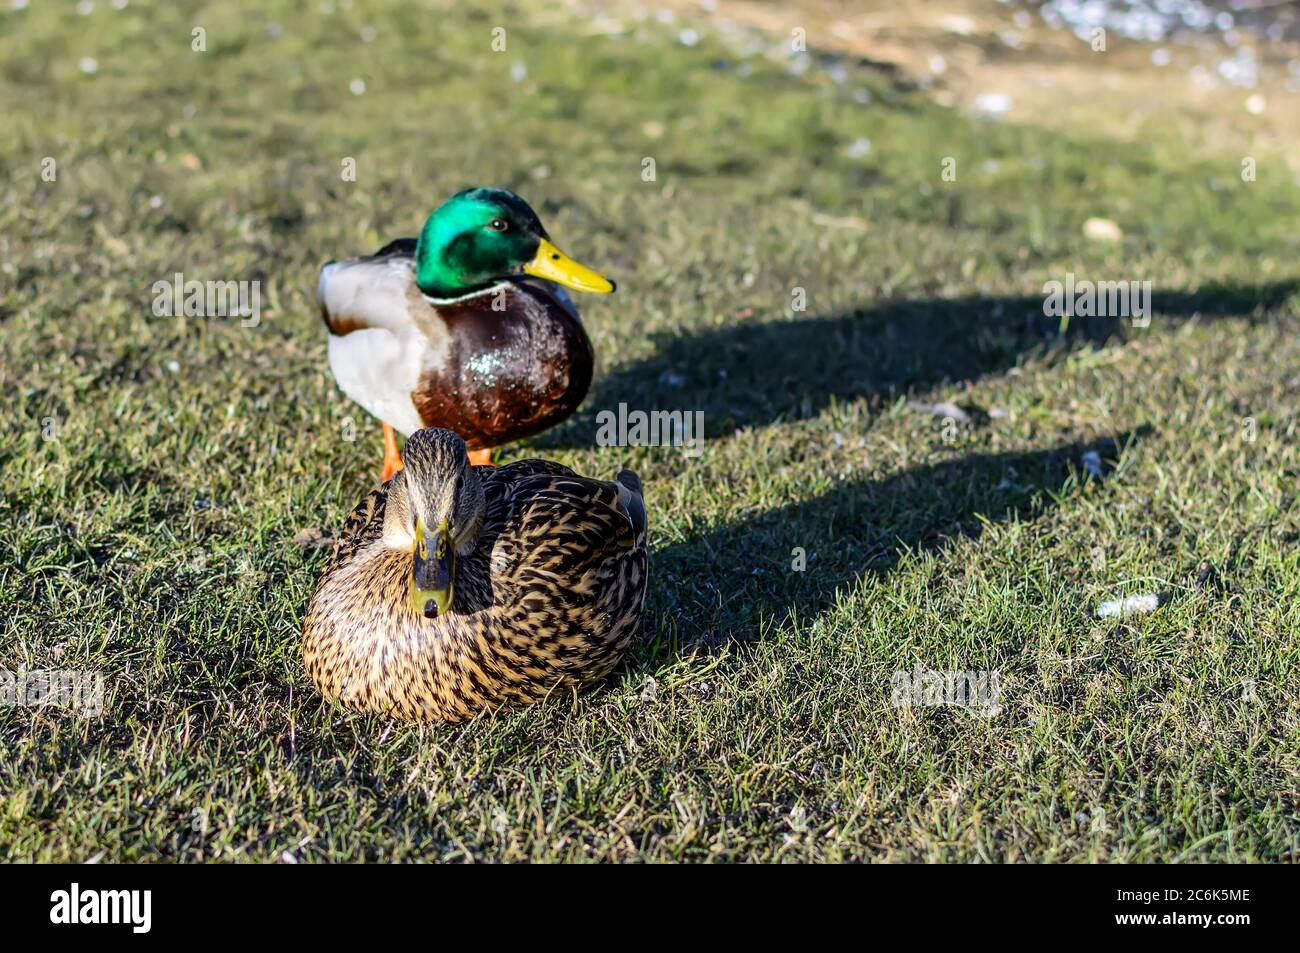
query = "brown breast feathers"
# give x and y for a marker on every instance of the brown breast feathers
(508, 372)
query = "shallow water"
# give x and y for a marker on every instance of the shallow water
(1158, 21)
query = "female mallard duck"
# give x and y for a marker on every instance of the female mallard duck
(446, 331)
(454, 588)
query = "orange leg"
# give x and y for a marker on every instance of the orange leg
(392, 459)
(481, 458)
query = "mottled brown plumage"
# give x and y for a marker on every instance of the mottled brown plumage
(550, 578)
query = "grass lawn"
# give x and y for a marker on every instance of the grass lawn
(154, 471)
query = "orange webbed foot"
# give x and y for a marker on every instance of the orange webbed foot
(392, 459)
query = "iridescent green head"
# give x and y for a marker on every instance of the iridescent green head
(481, 236)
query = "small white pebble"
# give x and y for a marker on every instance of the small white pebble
(649, 691)
(1133, 605)
(357, 87)
(860, 148)
(957, 23)
(993, 104)
(89, 65)
(1102, 230)
(943, 409)
(174, 366)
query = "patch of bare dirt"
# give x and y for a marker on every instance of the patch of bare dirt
(992, 57)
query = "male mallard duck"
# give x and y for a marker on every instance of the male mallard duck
(446, 330)
(455, 588)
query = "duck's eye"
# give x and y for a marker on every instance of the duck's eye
(498, 224)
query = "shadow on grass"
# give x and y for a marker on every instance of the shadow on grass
(728, 582)
(753, 373)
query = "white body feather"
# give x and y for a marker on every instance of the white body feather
(379, 364)
(376, 369)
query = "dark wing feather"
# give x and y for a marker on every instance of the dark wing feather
(404, 247)
(569, 573)
(564, 522)
(522, 468)
(363, 525)
(633, 503)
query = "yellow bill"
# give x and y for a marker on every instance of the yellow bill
(554, 265)
(432, 573)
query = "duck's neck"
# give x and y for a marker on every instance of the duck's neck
(436, 278)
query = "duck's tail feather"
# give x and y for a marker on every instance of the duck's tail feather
(630, 496)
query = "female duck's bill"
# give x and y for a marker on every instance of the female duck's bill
(432, 576)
